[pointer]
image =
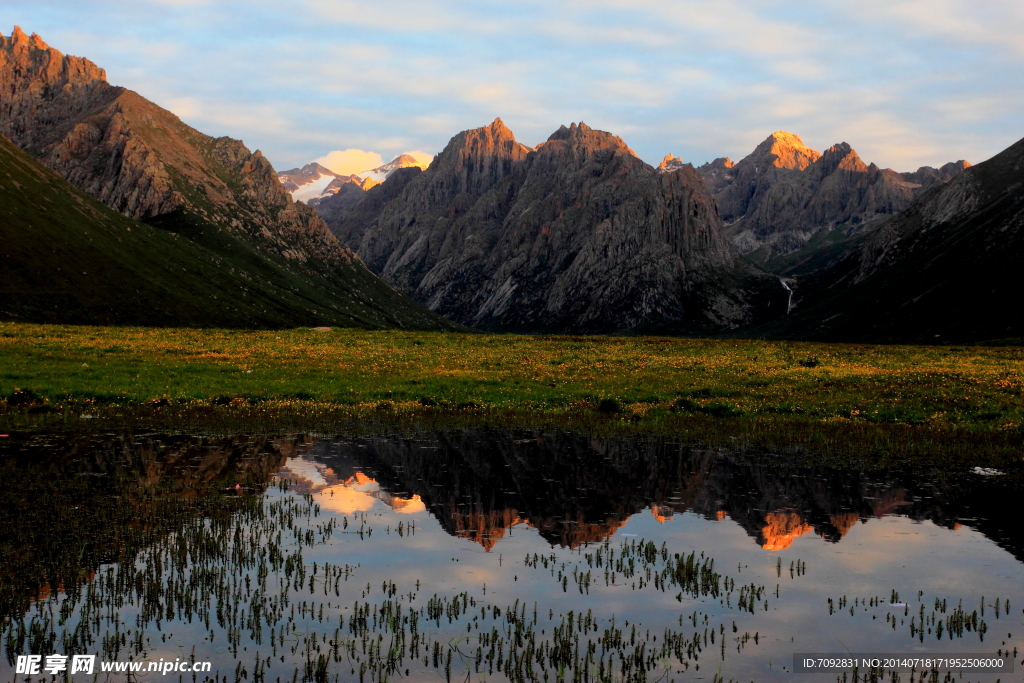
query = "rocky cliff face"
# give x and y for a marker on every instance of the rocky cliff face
(943, 270)
(577, 235)
(784, 193)
(275, 262)
(739, 187)
(141, 159)
(927, 177)
(339, 198)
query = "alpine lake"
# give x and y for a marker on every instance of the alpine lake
(494, 555)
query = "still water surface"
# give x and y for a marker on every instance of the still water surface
(476, 556)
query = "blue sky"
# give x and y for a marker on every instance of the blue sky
(906, 82)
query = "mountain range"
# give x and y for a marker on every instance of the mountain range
(117, 212)
(249, 256)
(381, 173)
(575, 235)
(942, 270)
(314, 183)
(578, 235)
(783, 194)
(576, 490)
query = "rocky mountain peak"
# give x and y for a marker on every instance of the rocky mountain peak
(573, 131)
(480, 157)
(37, 43)
(840, 156)
(671, 164)
(954, 167)
(738, 187)
(309, 182)
(19, 40)
(311, 170)
(405, 160)
(784, 150)
(578, 234)
(495, 137)
(776, 198)
(926, 176)
(381, 173)
(498, 126)
(717, 174)
(28, 64)
(582, 137)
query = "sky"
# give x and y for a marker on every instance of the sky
(905, 82)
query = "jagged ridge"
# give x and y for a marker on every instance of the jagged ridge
(775, 200)
(144, 162)
(943, 270)
(576, 235)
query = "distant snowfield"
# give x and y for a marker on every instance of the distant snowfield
(313, 189)
(376, 175)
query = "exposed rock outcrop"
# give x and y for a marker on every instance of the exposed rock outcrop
(281, 264)
(670, 164)
(944, 269)
(780, 196)
(577, 235)
(142, 160)
(340, 196)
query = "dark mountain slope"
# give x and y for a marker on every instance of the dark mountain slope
(143, 161)
(67, 258)
(947, 269)
(578, 235)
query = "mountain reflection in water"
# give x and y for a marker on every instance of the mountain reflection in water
(73, 503)
(576, 490)
(483, 554)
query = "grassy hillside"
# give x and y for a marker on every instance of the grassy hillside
(65, 257)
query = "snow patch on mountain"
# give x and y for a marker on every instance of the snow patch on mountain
(314, 181)
(380, 173)
(312, 189)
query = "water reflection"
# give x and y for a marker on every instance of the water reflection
(347, 494)
(520, 557)
(72, 504)
(575, 490)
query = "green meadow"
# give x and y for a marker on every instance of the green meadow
(851, 397)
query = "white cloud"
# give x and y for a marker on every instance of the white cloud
(636, 92)
(906, 82)
(421, 157)
(350, 161)
(991, 23)
(402, 15)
